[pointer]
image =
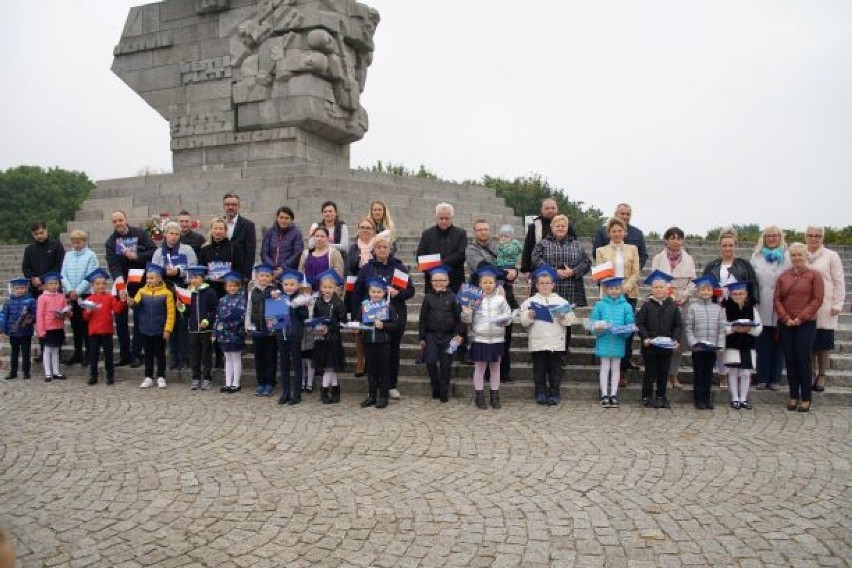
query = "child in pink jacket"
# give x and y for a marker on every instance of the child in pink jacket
(51, 312)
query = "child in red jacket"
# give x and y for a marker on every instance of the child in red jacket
(99, 309)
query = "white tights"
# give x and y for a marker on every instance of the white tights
(329, 379)
(739, 381)
(308, 373)
(50, 360)
(610, 365)
(479, 375)
(233, 368)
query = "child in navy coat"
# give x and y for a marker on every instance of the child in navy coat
(17, 320)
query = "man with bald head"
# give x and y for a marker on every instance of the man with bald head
(537, 230)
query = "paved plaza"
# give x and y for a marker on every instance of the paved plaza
(118, 477)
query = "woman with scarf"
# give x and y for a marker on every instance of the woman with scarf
(360, 253)
(679, 264)
(769, 260)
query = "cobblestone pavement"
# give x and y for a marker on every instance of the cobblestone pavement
(118, 477)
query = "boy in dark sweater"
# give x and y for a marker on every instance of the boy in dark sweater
(440, 324)
(377, 340)
(658, 320)
(202, 313)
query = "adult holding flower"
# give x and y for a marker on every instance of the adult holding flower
(827, 263)
(769, 260)
(320, 258)
(679, 264)
(338, 232)
(282, 243)
(563, 252)
(798, 296)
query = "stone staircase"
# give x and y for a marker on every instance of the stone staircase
(411, 201)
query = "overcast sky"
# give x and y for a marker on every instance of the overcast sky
(698, 113)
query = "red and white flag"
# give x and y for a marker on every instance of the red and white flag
(118, 286)
(135, 275)
(603, 270)
(427, 261)
(183, 295)
(350, 283)
(400, 279)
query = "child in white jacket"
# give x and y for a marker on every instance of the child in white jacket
(489, 322)
(546, 338)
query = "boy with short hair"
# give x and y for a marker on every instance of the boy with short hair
(658, 319)
(202, 313)
(99, 308)
(17, 321)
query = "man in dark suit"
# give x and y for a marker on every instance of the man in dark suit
(241, 232)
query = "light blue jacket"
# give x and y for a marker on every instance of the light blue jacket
(75, 267)
(615, 312)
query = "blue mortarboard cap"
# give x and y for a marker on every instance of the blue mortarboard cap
(440, 269)
(233, 276)
(291, 274)
(545, 270)
(19, 281)
(264, 267)
(706, 280)
(97, 273)
(196, 271)
(612, 281)
(377, 282)
(50, 276)
(330, 274)
(489, 270)
(658, 275)
(734, 286)
(151, 267)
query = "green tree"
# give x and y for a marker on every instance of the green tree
(31, 193)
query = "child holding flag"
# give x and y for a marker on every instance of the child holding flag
(100, 307)
(156, 319)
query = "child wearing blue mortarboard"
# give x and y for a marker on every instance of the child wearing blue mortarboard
(263, 340)
(660, 327)
(705, 335)
(290, 336)
(17, 321)
(328, 344)
(100, 308)
(611, 310)
(743, 325)
(156, 320)
(546, 335)
(488, 328)
(439, 325)
(229, 331)
(377, 340)
(199, 322)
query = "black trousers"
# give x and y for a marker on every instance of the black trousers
(128, 349)
(439, 373)
(378, 358)
(797, 343)
(200, 355)
(265, 358)
(79, 328)
(98, 342)
(547, 368)
(20, 345)
(628, 345)
(657, 362)
(395, 342)
(155, 349)
(702, 375)
(179, 340)
(290, 354)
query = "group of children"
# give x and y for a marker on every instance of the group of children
(304, 339)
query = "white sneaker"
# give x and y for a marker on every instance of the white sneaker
(147, 383)
(394, 394)
(161, 382)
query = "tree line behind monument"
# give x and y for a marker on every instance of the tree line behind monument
(55, 194)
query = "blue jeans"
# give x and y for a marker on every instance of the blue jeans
(796, 343)
(770, 359)
(290, 352)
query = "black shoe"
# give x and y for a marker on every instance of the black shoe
(382, 403)
(123, 362)
(48, 378)
(662, 402)
(335, 394)
(367, 402)
(495, 400)
(294, 401)
(58, 377)
(745, 405)
(135, 363)
(225, 389)
(445, 397)
(11, 377)
(92, 381)
(232, 390)
(26, 376)
(359, 375)
(479, 400)
(735, 404)
(284, 399)
(646, 401)
(326, 399)
(436, 395)
(110, 381)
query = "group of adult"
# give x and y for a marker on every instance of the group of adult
(781, 279)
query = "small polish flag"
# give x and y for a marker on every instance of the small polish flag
(427, 261)
(135, 275)
(399, 280)
(183, 295)
(118, 286)
(350, 283)
(603, 270)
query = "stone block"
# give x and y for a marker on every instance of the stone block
(228, 21)
(177, 54)
(214, 48)
(177, 9)
(134, 61)
(142, 20)
(153, 79)
(211, 6)
(213, 90)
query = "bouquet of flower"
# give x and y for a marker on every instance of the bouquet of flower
(156, 225)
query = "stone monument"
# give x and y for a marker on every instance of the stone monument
(252, 82)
